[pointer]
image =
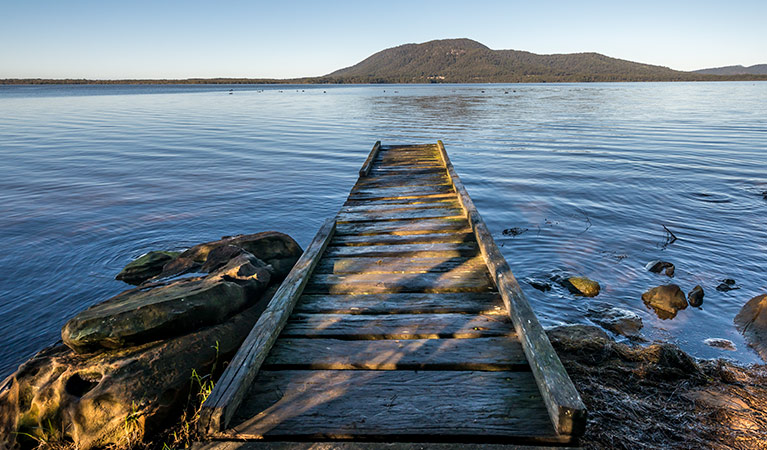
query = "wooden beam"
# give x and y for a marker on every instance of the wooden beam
(564, 404)
(230, 389)
(369, 161)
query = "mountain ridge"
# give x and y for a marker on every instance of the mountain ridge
(757, 69)
(464, 60)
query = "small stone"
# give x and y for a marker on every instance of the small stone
(665, 300)
(695, 296)
(658, 266)
(582, 286)
(724, 344)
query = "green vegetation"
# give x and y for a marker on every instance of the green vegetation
(467, 61)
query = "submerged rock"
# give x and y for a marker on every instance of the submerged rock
(146, 267)
(617, 320)
(542, 286)
(751, 321)
(113, 397)
(658, 266)
(728, 284)
(582, 286)
(695, 296)
(514, 232)
(276, 249)
(724, 344)
(147, 314)
(665, 300)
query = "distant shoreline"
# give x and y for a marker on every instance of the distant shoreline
(326, 80)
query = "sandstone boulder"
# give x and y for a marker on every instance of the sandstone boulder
(665, 300)
(582, 286)
(112, 397)
(155, 312)
(276, 249)
(752, 322)
(146, 267)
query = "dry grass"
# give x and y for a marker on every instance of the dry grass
(659, 397)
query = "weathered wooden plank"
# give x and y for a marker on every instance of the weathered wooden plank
(225, 398)
(369, 206)
(392, 264)
(418, 303)
(397, 326)
(357, 445)
(389, 239)
(418, 162)
(400, 182)
(474, 279)
(369, 161)
(412, 250)
(393, 405)
(400, 192)
(421, 213)
(395, 166)
(421, 169)
(412, 200)
(404, 227)
(494, 353)
(409, 151)
(566, 409)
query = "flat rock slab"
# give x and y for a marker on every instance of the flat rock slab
(147, 314)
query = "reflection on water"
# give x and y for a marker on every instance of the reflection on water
(96, 175)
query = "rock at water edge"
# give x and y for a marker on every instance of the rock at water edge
(146, 267)
(665, 300)
(751, 321)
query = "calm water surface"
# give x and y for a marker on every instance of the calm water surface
(94, 176)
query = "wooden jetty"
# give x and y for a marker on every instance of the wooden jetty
(401, 322)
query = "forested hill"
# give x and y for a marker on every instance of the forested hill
(468, 61)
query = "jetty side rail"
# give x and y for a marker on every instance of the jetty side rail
(564, 404)
(365, 169)
(228, 393)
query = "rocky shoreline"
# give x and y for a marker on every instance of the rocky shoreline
(132, 370)
(129, 367)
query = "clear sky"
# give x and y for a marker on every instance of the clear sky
(282, 39)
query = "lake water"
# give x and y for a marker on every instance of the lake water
(94, 176)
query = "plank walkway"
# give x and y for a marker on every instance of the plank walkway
(400, 323)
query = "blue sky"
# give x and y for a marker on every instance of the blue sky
(226, 38)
